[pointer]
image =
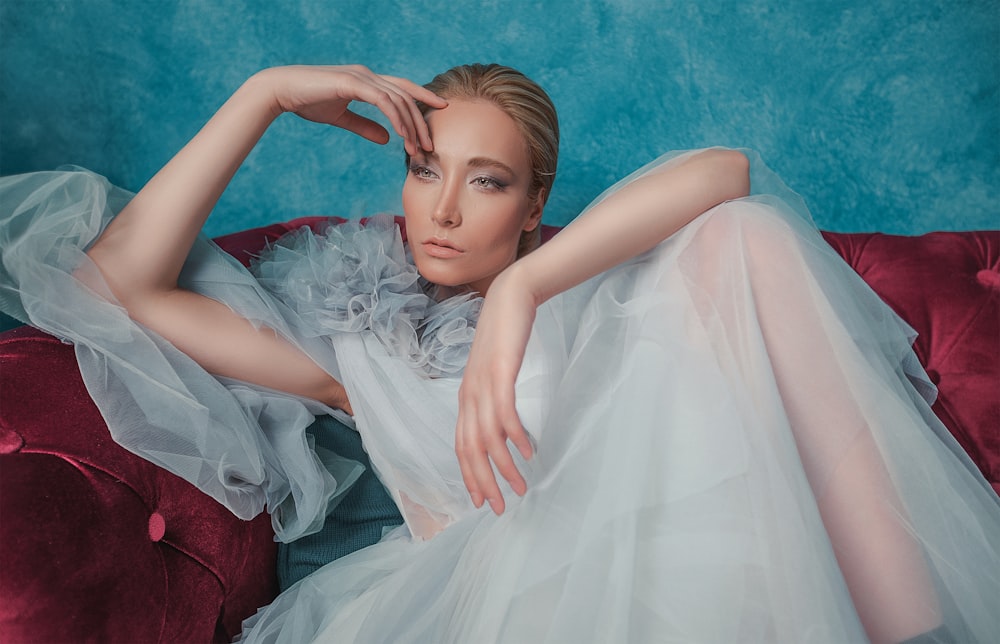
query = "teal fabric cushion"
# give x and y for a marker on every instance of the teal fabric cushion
(7, 323)
(357, 521)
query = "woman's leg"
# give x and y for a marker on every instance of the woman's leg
(882, 563)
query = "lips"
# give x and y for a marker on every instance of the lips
(441, 248)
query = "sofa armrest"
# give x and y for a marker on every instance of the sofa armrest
(99, 544)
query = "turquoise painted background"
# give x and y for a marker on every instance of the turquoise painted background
(885, 115)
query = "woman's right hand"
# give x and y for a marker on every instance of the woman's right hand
(323, 94)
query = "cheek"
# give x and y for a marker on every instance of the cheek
(413, 207)
(408, 198)
(505, 224)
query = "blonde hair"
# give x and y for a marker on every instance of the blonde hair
(531, 109)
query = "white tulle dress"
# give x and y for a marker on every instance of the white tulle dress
(733, 436)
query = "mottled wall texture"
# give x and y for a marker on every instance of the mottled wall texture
(884, 114)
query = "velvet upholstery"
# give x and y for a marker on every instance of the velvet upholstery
(99, 545)
(947, 286)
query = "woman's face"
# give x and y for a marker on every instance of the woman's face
(466, 202)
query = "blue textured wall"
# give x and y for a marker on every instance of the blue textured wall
(884, 115)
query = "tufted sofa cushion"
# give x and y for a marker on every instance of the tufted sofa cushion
(98, 545)
(947, 286)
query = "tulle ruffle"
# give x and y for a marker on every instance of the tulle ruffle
(356, 277)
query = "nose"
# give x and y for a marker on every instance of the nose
(447, 213)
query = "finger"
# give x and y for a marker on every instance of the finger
(521, 440)
(488, 483)
(502, 457)
(511, 423)
(477, 473)
(461, 449)
(406, 117)
(408, 114)
(474, 461)
(364, 127)
(384, 96)
(418, 92)
(428, 97)
(509, 428)
(496, 452)
(387, 104)
(504, 461)
(423, 132)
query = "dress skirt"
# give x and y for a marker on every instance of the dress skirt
(733, 441)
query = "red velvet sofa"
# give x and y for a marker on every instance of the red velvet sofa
(101, 546)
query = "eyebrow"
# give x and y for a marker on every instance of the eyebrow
(486, 162)
(481, 162)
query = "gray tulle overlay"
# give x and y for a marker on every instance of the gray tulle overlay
(725, 427)
(242, 444)
(354, 278)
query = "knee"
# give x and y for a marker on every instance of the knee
(745, 228)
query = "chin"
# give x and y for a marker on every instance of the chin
(441, 275)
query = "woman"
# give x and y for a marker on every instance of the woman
(718, 437)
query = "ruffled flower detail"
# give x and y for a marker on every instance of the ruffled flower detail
(446, 334)
(355, 277)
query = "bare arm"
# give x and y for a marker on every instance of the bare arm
(632, 221)
(628, 223)
(142, 251)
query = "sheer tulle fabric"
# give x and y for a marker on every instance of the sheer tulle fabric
(732, 433)
(244, 445)
(353, 278)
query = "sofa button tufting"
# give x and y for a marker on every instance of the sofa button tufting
(157, 526)
(10, 441)
(989, 278)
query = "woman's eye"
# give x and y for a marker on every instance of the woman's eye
(488, 183)
(421, 172)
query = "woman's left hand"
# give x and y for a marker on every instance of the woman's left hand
(487, 418)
